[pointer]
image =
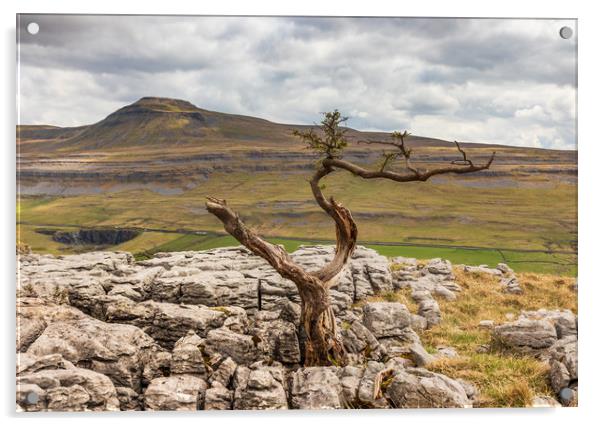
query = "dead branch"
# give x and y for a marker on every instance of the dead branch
(416, 174)
(274, 254)
(464, 160)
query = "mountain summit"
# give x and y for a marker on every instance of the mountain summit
(157, 122)
(167, 125)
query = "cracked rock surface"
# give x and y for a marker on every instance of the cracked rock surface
(220, 330)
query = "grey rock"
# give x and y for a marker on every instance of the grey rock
(386, 319)
(242, 348)
(504, 269)
(350, 378)
(439, 267)
(64, 388)
(368, 395)
(129, 400)
(446, 352)
(564, 366)
(483, 269)
(187, 357)
(420, 356)
(418, 323)
(511, 285)
(218, 397)
(544, 402)
(470, 389)
(444, 292)
(418, 295)
(316, 388)
(400, 346)
(564, 321)
(28, 331)
(181, 392)
(487, 324)
(560, 377)
(419, 388)
(358, 339)
(71, 398)
(368, 272)
(340, 301)
(28, 363)
(224, 372)
(259, 388)
(525, 336)
(398, 363)
(219, 277)
(166, 322)
(427, 307)
(291, 312)
(34, 314)
(236, 318)
(122, 352)
(277, 337)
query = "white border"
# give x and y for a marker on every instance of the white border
(590, 214)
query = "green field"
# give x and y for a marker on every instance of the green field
(149, 243)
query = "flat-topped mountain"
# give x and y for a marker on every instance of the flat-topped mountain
(153, 122)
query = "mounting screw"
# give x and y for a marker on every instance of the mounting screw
(32, 398)
(33, 28)
(566, 32)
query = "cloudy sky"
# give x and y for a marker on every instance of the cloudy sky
(499, 81)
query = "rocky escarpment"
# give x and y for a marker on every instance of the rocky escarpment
(98, 237)
(220, 330)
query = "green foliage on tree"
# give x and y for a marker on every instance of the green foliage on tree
(332, 139)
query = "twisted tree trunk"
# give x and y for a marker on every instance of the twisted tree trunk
(322, 343)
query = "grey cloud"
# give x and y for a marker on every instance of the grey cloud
(474, 77)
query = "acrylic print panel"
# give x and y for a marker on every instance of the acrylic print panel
(220, 213)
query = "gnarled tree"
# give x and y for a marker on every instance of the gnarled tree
(322, 343)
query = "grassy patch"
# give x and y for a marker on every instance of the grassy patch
(545, 263)
(504, 380)
(146, 241)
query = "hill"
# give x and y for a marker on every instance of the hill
(173, 123)
(150, 165)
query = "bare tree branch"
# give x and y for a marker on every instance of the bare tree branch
(274, 254)
(399, 143)
(416, 175)
(464, 160)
